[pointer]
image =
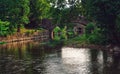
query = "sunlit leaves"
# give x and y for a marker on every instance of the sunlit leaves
(14, 11)
(4, 28)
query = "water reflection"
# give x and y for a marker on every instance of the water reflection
(75, 60)
(34, 58)
(96, 61)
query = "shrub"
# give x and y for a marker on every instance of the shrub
(60, 33)
(64, 33)
(96, 37)
(70, 33)
(28, 33)
(94, 34)
(4, 28)
(89, 28)
(56, 31)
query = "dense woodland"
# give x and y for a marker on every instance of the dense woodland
(103, 17)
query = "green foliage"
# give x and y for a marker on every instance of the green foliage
(4, 28)
(64, 33)
(56, 29)
(15, 11)
(19, 12)
(28, 33)
(96, 37)
(60, 33)
(81, 39)
(57, 32)
(105, 13)
(70, 31)
(89, 28)
(38, 10)
(94, 34)
(63, 11)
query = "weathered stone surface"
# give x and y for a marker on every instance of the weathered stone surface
(24, 37)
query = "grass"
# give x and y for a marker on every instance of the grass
(24, 30)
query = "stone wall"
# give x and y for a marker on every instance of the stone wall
(26, 36)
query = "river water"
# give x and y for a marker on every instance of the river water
(34, 58)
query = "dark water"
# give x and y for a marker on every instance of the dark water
(34, 58)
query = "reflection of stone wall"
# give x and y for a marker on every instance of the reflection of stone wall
(24, 37)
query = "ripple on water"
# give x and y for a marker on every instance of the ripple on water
(28, 59)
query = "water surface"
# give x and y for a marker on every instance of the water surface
(34, 58)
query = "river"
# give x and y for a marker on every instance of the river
(34, 58)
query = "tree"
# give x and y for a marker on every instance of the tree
(38, 10)
(63, 11)
(15, 11)
(105, 12)
(4, 28)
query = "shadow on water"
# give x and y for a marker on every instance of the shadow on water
(34, 58)
(24, 57)
(115, 67)
(103, 62)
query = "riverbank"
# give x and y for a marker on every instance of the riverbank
(80, 45)
(77, 42)
(17, 37)
(110, 48)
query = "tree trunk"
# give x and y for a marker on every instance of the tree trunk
(116, 36)
(114, 33)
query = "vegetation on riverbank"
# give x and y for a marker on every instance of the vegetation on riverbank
(57, 16)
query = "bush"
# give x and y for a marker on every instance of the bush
(81, 39)
(4, 28)
(89, 28)
(60, 33)
(64, 33)
(96, 37)
(94, 34)
(56, 31)
(70, 31)
(29, 32)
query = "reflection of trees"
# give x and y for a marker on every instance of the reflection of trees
(105, 62)
(111, 66)
(116, 59)
(94, 66)
(93, 55)
(31, 54)
(105, 56)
